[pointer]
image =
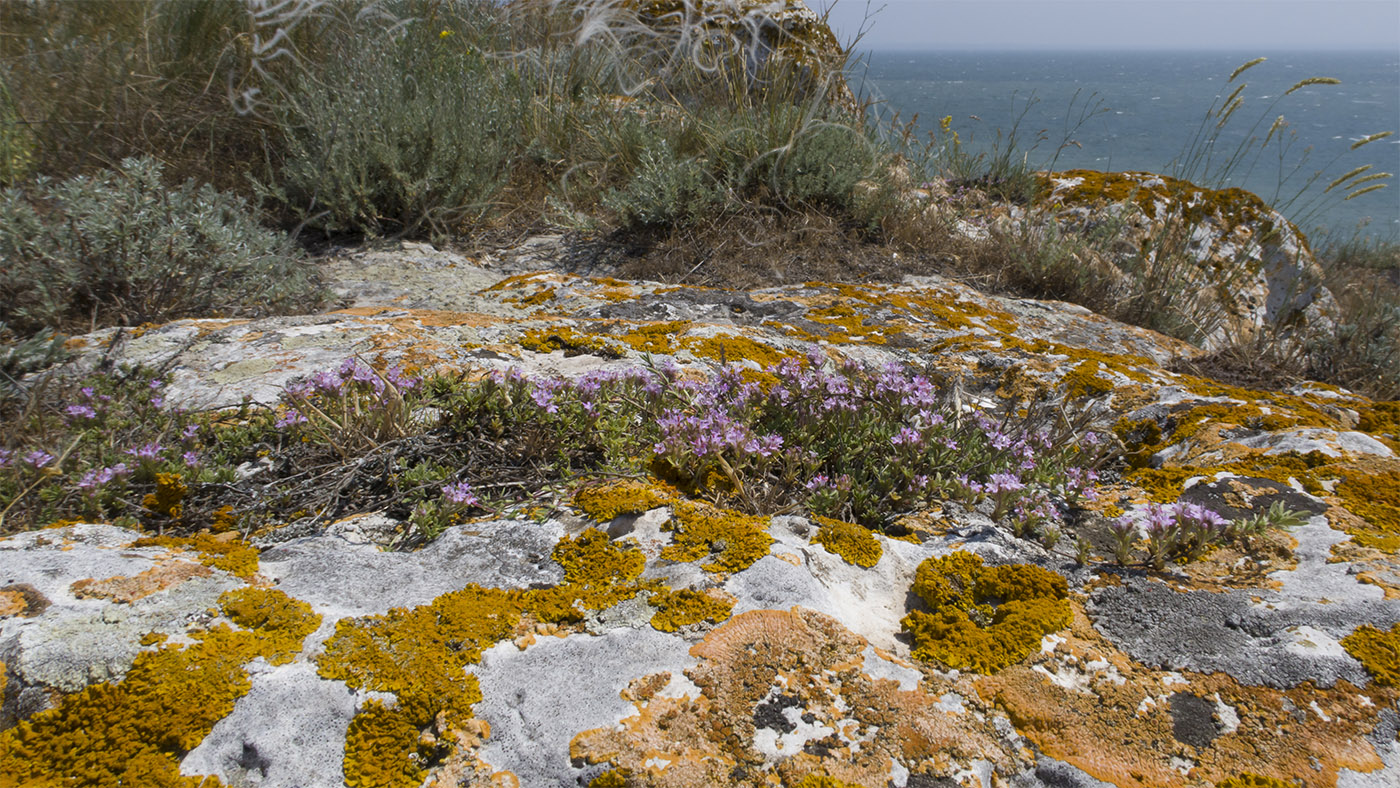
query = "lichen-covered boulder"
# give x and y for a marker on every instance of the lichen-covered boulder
(1238, 264)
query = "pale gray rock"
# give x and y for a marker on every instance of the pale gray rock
(75, 642)
(340, 579)
(538, 699)
(287, 732)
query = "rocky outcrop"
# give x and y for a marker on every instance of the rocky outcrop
(604, 644)
(1240, 265)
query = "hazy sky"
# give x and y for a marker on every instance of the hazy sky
(1119, 24)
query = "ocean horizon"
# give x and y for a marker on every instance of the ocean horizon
(1142, 111)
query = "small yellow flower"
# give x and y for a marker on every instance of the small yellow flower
(444, 34)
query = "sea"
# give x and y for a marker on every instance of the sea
(1116, 111)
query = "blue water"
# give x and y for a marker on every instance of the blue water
(1154, 106)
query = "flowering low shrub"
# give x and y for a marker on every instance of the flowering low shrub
(849, 441)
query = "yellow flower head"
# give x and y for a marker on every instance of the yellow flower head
(444, 34)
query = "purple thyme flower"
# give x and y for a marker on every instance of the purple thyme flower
(906, 437)
(191, 458)
(80, 412)
(38, 458)
(459, 495)
(190, 431)
(151, 451)
(6, 456)
(291, 417)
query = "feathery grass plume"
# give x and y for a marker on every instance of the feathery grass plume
(1375, 176)
(1279, 123)
(1313, 81)
(1370, 138)
(1245, 67)
(1367, 190)
(1346, 177)
(1234, 94)
(1228, 111)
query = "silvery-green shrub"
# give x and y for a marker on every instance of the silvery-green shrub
(119, 248)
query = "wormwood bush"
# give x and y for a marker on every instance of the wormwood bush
(408, 130)
(118, 248)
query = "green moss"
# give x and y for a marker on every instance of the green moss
(1378, 651)
(733, 540)
(984, 619)
(135, 732)
(676, 609)
(603, 502)
(852, 542)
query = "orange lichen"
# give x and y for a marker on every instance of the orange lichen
(125, 590)
(982, 618)
(1084, 381)
(732, 540)
(816, 665)
(854, 543)
(134, 732)
(1378, 651)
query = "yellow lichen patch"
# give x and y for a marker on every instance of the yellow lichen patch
(134, 732)
(1088, 704)
(542, 296)
(848, 325)
(598, 573)
(418, 655)
(125, 590)
(224, 551)
(854, 543)
(732, 540)
(735, 349)
(683, 608)
(982, 618)
(612, 778)
(1374, 497)
(762, 662)
(654, 337)
(823, 781)
(603, 502)
(1084, 381)
(1256, 781)
(548, 340)
(1232, 207)
(167, 500)
(1378, 651)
